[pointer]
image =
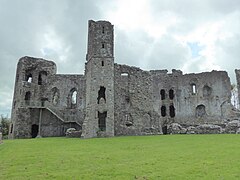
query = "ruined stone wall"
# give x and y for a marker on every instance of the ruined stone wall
(237, 72)
(30, 85)
(112, 99)
(197, 98)
(39, 88)
(60, 94)
(22, 123)
(213, 93)
(134, 113)
(147, 102)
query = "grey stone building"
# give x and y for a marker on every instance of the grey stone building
(113, 100)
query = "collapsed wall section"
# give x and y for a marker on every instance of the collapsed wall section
(191, 99)
(66, 96)
(204, 98)
(133, 109)
(45, 104)
(148, 102)
(30, 84)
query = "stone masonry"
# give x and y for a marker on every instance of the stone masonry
(113, 100)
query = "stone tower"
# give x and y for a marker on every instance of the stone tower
(30, 84)
(99, 73)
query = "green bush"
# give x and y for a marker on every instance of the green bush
(4, 125)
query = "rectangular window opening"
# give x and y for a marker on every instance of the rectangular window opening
(194, 89)
(103, 29)
(102, 121)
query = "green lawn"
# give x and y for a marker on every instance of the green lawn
(142, 157)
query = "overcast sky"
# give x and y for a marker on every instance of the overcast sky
(191, 35)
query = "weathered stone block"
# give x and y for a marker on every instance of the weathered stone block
(191, 130)
(73, 133)
(176, 128)
(208, 129)
(232, 127)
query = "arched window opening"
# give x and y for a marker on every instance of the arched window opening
(207, 91)
(43, 100)
(194, 89)
(103, 45)
(42, 77)
(101, 94)
(172, 111)
(74, 97)
(55, 96)
(171, 94)
(162, 93)
(163, 111)
(27, 98)
(200, 111)
(102, 121)
(29, 78)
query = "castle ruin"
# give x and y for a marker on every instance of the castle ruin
(111, 99)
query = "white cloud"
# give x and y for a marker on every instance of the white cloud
(52, 45)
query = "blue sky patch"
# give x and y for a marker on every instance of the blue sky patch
(195, 48)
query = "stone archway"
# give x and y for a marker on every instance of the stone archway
(200, 110)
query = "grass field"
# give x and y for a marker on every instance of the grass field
(145, 157)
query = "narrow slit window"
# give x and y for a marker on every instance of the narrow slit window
(103, 29)
(102, 63)
(172, 111)
(194, 89)
(11, 131)
(163, 111)
(171, 94)
(162, 93)
(39, 79)
(74, 97)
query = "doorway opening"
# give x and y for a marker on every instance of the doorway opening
(164, 129)
(34, 130)
(102, 121)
